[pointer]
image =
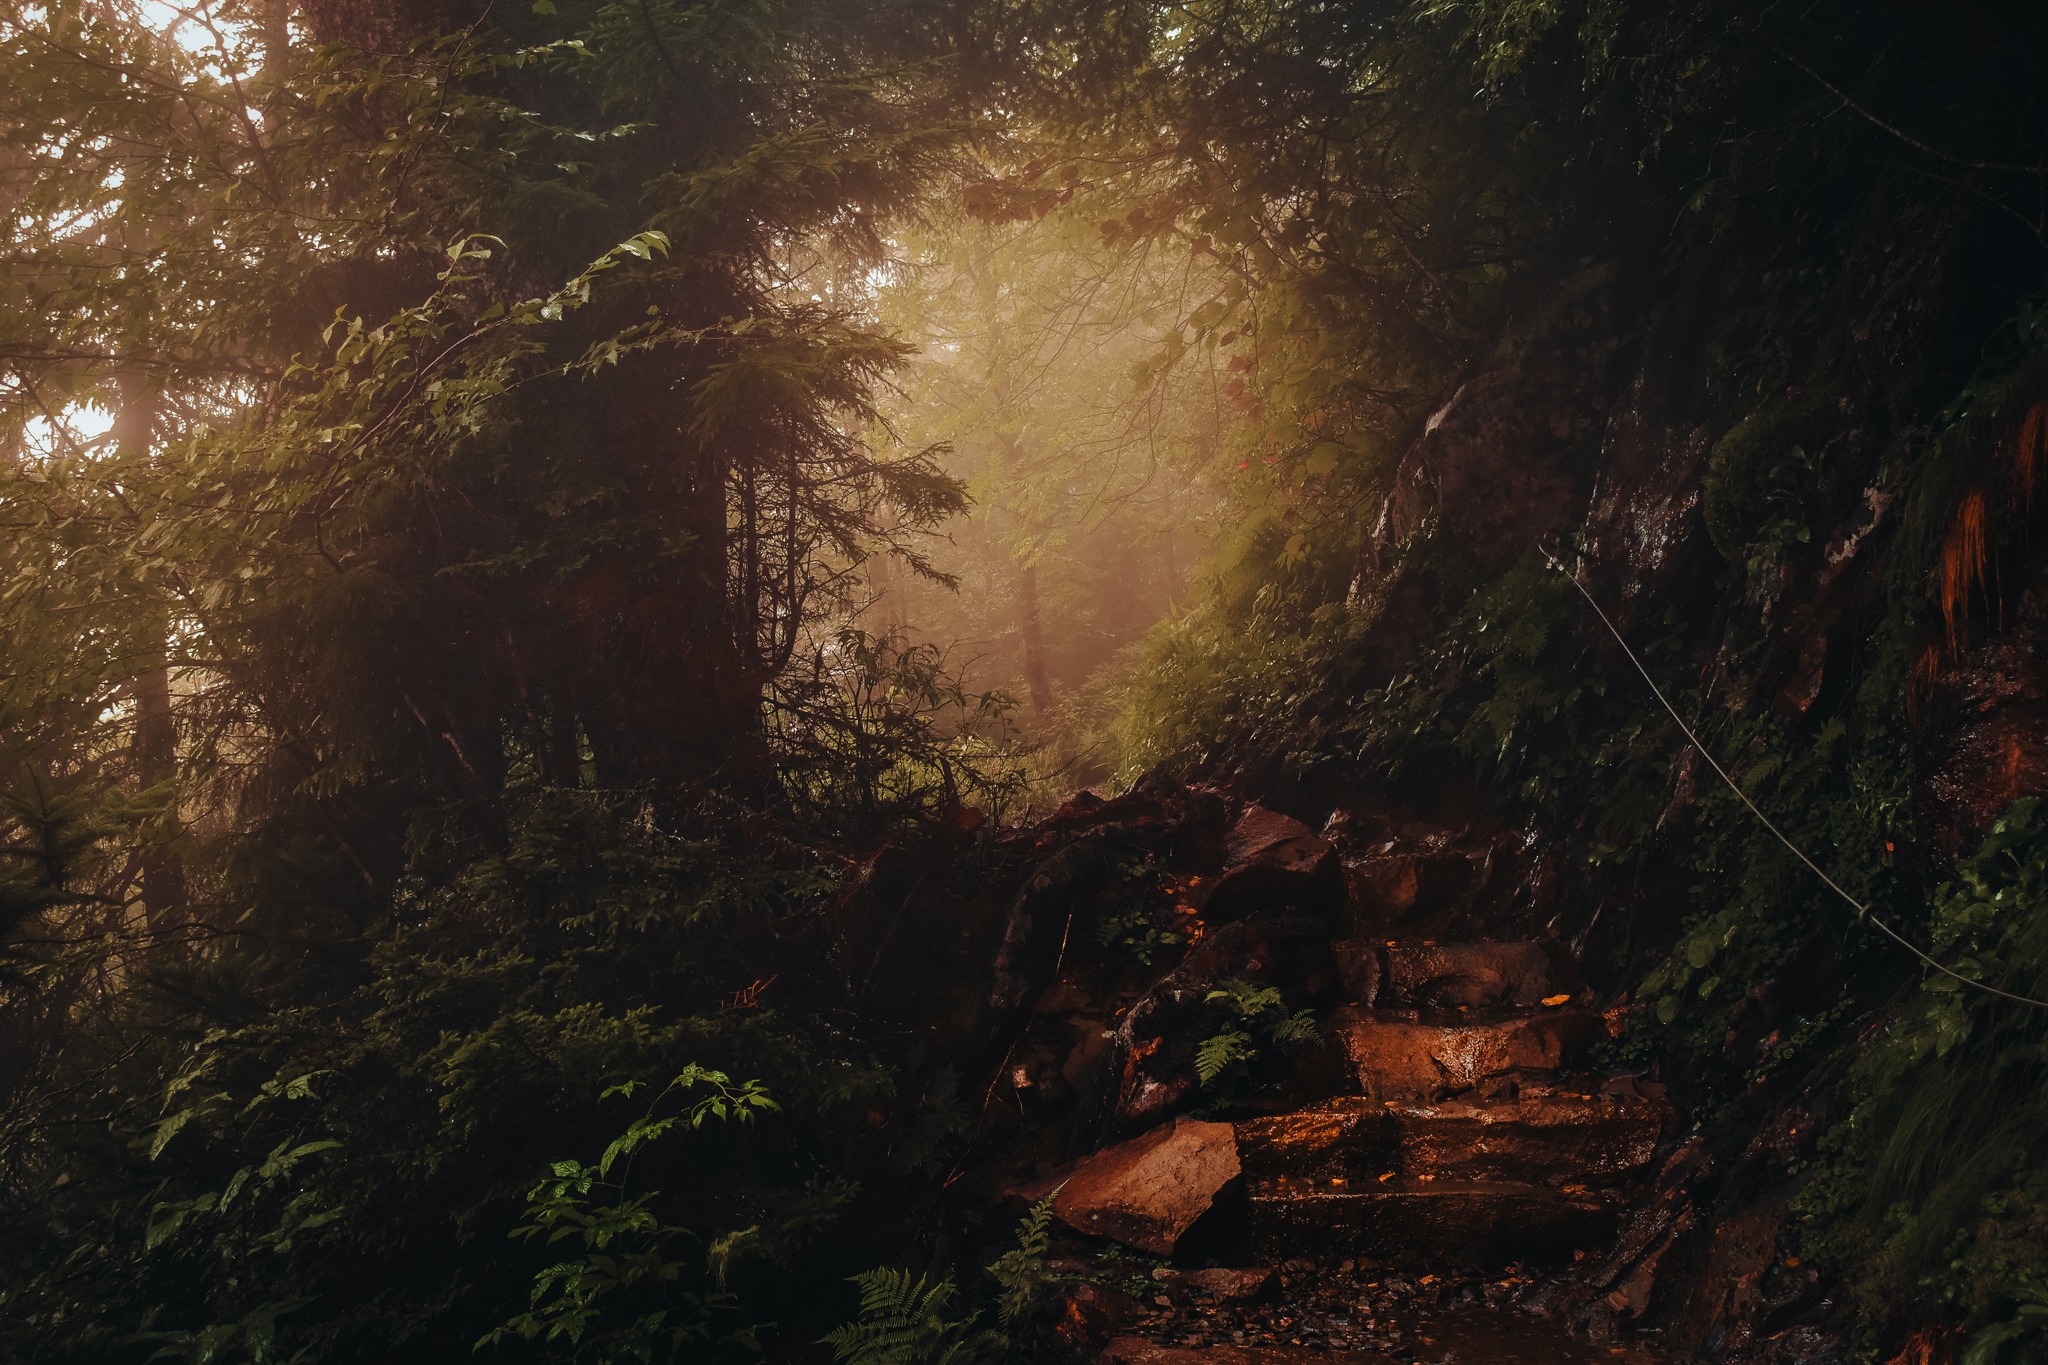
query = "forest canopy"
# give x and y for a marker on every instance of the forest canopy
(540, 537)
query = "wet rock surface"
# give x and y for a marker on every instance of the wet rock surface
(1468, 975)
(1395, 1055)
(1426, 1163)
(1347, 1310)
(1147, 1192)
(1423, 1222)
(1270, 860)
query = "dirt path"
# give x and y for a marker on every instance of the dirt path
(1361, 1314)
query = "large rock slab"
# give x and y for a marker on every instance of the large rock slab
(1398, 1058)
(1475, 975)
(1418, 1222)
(1548, 1137)
(1556, 1137)
(1146, 1193)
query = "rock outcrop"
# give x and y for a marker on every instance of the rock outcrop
(1447, 1118)
(1148, 1192)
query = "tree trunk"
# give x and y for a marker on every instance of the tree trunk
(1034, 641)
(153, 747)
(564, 748)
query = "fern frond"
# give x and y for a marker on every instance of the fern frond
(906, 1320)
(1021, 1270)
(1217, 1054)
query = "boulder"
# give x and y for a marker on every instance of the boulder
(1395, 1058)
(1146, 1193)
(1641, 1273)
(1152, 1061)
(1386, 887)
(1271, 859)
(1153, 1050)
(1642, 529)
(1499, 455)
(1728, 1303)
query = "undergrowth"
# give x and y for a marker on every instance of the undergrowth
(1935, 1185)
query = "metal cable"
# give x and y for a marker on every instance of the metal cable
(1863, 912)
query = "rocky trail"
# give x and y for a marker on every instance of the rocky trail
(1307, 1313)
(1412, 1143)
(1477, 1142)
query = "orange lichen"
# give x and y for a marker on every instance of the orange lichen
(1967, 553)
(1925, 670)
(1965, 565)
(2027, 452)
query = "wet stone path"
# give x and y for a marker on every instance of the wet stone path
(1309, 1313)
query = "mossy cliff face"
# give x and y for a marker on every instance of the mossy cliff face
(1849, 615)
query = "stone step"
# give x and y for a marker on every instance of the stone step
(1406, 1055)
(1426, 974)
(1559, 1138)
(1420, 1221)
(1350, 1137)
(1475, 975)
(1541, 1137)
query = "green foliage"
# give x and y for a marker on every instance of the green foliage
(1221, 1051)
(876, 731)
(428, 716)
(1208, 684)
(1259, 1019)
(384, 1137)
(1020, 1272)
(1936, 1182)
(1757, 477)
(1850, 390)
(909, 1320)
(1130, 916)
(622, 1298)
(443, 695)
(931, 1142)
(2026, 1324)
